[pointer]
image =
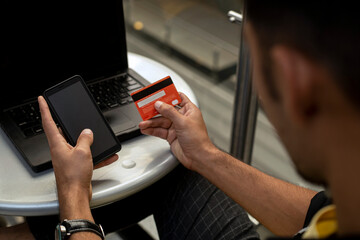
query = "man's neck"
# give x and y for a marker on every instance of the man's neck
(347, 198)
(344, 178)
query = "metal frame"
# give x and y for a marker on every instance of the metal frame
(246, 104)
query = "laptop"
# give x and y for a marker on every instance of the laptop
(45, 42)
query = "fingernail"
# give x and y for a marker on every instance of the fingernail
(87, 131)
(158, 104)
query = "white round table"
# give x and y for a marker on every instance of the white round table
(142, 161)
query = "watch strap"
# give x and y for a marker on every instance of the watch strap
(82, 225)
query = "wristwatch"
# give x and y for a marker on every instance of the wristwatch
(67, 227)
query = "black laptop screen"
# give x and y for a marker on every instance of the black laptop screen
(44, 42)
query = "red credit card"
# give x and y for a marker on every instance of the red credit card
(163, 90)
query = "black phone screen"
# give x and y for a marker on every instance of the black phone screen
(74, 109)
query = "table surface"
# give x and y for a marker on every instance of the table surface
(25, 193)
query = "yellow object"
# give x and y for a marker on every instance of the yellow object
(323, 224)
(138, 25)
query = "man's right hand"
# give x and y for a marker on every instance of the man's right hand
(184, 129)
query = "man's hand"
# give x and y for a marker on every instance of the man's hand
(73, 166)
(184, 129)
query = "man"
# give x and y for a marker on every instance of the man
(308, 85)
(305, 69)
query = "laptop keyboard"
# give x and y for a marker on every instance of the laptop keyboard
(114, 92)
(108, 94)
(27, 118)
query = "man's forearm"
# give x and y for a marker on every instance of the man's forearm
(75, 205)
(278, 205)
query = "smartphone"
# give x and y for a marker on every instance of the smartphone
(74, 109)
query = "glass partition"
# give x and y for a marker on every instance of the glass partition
(196, 39)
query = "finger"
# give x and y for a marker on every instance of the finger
(171, 135)
(51, 131)
(184, 99)
(182, 111)
(155, 122)
(85, 139)
(156, 132)
(168, 111)
(61, 132)
(107, 161)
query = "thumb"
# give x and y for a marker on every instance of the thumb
(85, 139)
(167, 111)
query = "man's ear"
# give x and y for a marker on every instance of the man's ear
(296, 78)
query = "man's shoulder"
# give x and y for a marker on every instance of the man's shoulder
(334, 237)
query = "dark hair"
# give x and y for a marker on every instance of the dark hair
(325, 31)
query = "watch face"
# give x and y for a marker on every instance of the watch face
(57, 232)
(67, 227)
(60, 232)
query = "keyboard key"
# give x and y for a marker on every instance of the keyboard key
(113, 105)
(133, 87)
(38, 129)
(123, 95)
(28, 132)
(123, 102)
(132, 82)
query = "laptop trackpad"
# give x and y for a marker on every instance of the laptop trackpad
(118, 121)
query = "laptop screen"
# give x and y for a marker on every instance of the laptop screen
(44, 42)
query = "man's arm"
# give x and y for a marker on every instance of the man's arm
(73, 168)
(75, 205)
(278, 205)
